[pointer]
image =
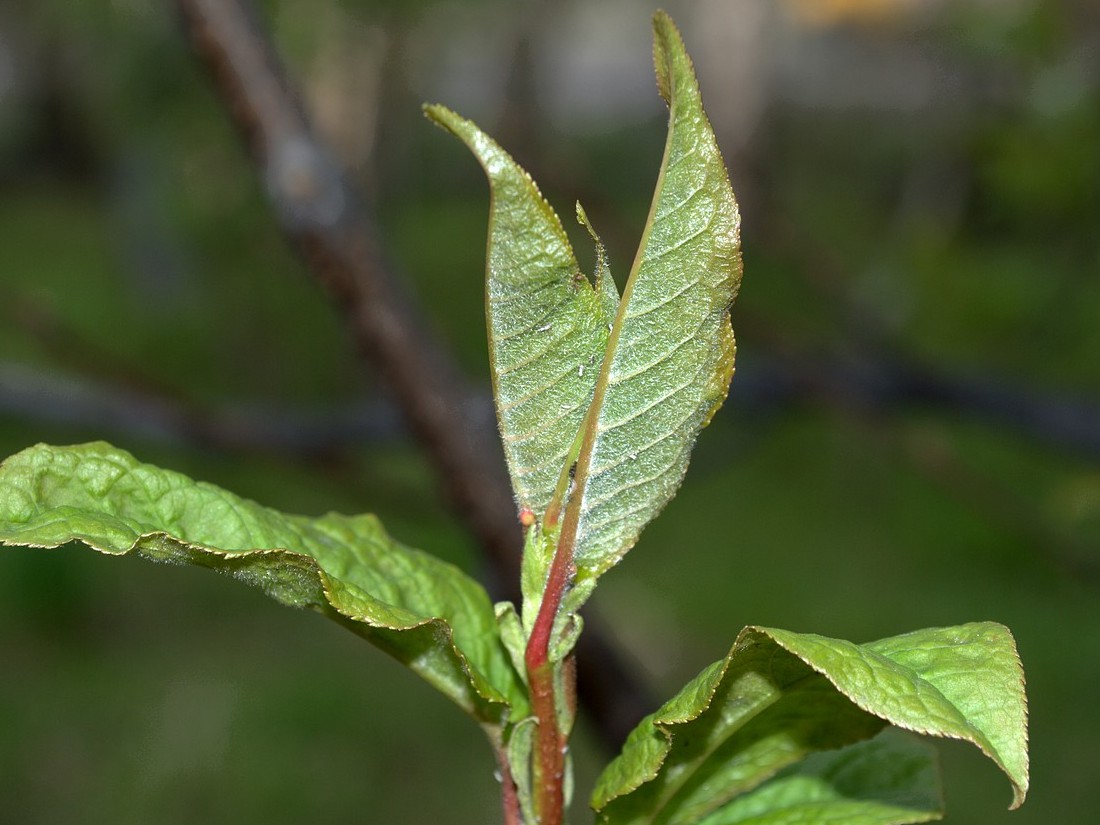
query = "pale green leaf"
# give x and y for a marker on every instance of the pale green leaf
(670, 355)
(963, 682)
(521, 746)
(419, 609)
(621, 388)
(779, 696)
(892, 779)
(548, 325)
(512, 636)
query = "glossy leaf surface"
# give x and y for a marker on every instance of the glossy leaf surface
(423, 611)
(779, 696)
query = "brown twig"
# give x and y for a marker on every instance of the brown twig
(321, 216)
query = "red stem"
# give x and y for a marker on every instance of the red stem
(509, 798)
(549, 768)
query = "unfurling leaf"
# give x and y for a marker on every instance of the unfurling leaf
(780, 696)
(419, 609)
(600, 400)
(548, 325)
(670, 356)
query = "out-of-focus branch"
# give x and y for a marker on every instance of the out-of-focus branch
(883, 385)
(878, 392)
(113, 409)
(319, 213)
(765, 384)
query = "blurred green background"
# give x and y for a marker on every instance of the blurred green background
(912, 439)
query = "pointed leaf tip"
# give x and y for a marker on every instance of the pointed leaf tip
(671, 352)
(780, 696)
(548, 325)
(600, 398)
(665, 35)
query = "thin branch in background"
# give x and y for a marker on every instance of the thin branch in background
(884, 385)
(115, 410)
(320, 214)
(877, 392)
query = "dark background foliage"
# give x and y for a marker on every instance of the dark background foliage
(912, 438)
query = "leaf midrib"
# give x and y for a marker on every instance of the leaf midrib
(590, 426)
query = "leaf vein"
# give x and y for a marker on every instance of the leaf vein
(554, 460)
(680, 244)
(535, 326)
(535, 356)
(664, 356)
(557, 379)
(647, 446)
(526, 435)
(520, 292)
(636, 413)
(665, 213)
(631, 314)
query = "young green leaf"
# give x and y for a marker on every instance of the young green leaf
(670, 355)
(779, 696)
(600, 400)
(423, 611)
(548, 325)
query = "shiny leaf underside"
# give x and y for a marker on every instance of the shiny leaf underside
(780, 696)
(423, 611)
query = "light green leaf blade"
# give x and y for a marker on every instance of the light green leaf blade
(779, 696)
(963, 682)
(419, 609)
(548, 325)
(892, 779)
(671, 351)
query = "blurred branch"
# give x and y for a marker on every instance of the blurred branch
(765, 384)
(885, 385)
(321, 216)
(112, 408)
(101, 390)
(877, 391)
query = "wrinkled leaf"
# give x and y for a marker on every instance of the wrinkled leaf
(548, 325)
(888, 780)
(779, 696)
(419, 609)
(620, 387)
(670, 355)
